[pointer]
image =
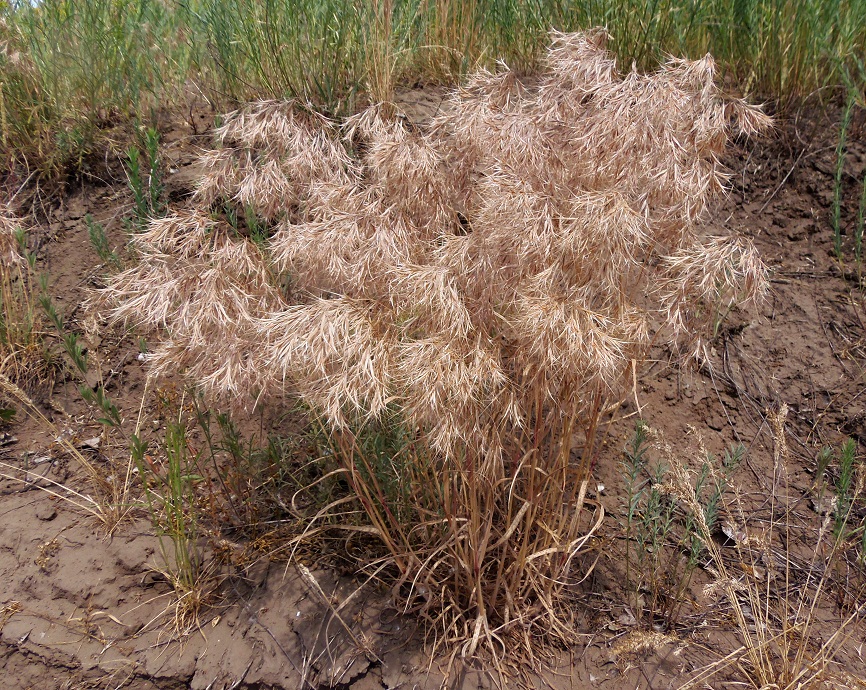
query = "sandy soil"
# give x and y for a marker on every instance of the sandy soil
(80, 609)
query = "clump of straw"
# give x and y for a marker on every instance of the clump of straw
(485, 282)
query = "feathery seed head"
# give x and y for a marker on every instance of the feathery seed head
(519, 248)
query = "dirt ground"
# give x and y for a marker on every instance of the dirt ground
(81, 609)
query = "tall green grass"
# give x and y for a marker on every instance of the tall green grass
(321, 49)
(843, 204)
(69, 67)
(295, 48)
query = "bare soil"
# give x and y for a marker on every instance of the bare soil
(80, 609)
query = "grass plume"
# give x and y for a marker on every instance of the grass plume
(483, 285)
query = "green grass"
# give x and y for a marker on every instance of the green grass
(848, 215)
(70, 69)
(170, 494)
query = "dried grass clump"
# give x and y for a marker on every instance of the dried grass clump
(9, 249)
(24, 359)
(484, 284)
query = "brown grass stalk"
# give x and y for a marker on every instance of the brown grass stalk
(775, 603)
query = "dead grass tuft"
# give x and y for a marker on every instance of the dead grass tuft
(778, 599)
(24, 357)
(480, 288)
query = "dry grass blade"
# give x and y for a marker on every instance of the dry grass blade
(23, 355)
(775, 618)
(112, 502)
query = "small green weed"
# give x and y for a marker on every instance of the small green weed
(78, 356)
(663, 546)
(26, 359)
(170, 487)
(99, 240)
(144, 177)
